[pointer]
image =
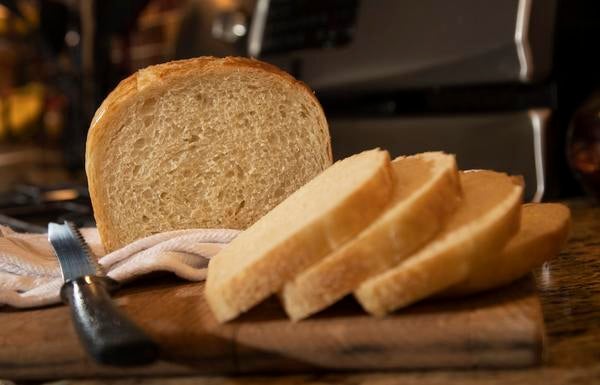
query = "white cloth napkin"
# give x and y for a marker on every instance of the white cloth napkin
(30, 274)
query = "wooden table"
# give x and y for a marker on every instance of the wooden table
(569, 287)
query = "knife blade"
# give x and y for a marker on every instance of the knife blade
(106, 332)
(74, 255)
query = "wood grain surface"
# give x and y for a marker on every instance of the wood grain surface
(569, 287)
(497, 330)
(544, 375)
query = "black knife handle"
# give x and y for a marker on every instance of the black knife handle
(107, 334)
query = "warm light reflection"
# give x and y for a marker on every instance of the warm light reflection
(61, 195)
(239, 30)
(224, 4)
(3, 12)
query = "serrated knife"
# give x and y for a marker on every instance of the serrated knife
(104, 330)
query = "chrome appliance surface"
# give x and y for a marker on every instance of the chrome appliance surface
(390, 44)
(512, 142)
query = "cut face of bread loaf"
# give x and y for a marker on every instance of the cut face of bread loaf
(426, 192)
(206, 142)
(486, 219)
(543, 232)
(311, 223)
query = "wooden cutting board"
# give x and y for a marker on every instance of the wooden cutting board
(500, 329)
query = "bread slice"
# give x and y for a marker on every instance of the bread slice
(426, 192)
(543, 232)
(205, 142)
(308, 225)
(484, 222)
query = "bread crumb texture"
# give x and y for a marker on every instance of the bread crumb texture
(201, 143)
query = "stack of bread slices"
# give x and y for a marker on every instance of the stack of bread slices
(389, 232)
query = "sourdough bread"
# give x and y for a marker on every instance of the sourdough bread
(308, 225)
(426, 192)
(205, 142)
(486, 219)
(543, 232)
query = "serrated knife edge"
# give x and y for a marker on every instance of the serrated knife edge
(73, 253)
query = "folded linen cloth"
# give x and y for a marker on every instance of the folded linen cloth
(30, 275)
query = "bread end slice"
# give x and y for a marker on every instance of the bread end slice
(426, 192)
(313, 221)
(543, 232)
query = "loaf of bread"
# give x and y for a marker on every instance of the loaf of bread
(543, 232)
(307, 226)
(486, 219)
(204, 142)
(426, 192)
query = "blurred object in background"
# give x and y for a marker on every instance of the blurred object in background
(507, 141)
(131, 35)
(21, 110)
(486, 80)
(361, 46)
(32, 107)
(154, 31)
(584, 145)
(29, 207)
(42, 109)
(214, 27)
(31, 165)
(153, 39)
(576, 71)
(22, 94)
(464, 76)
